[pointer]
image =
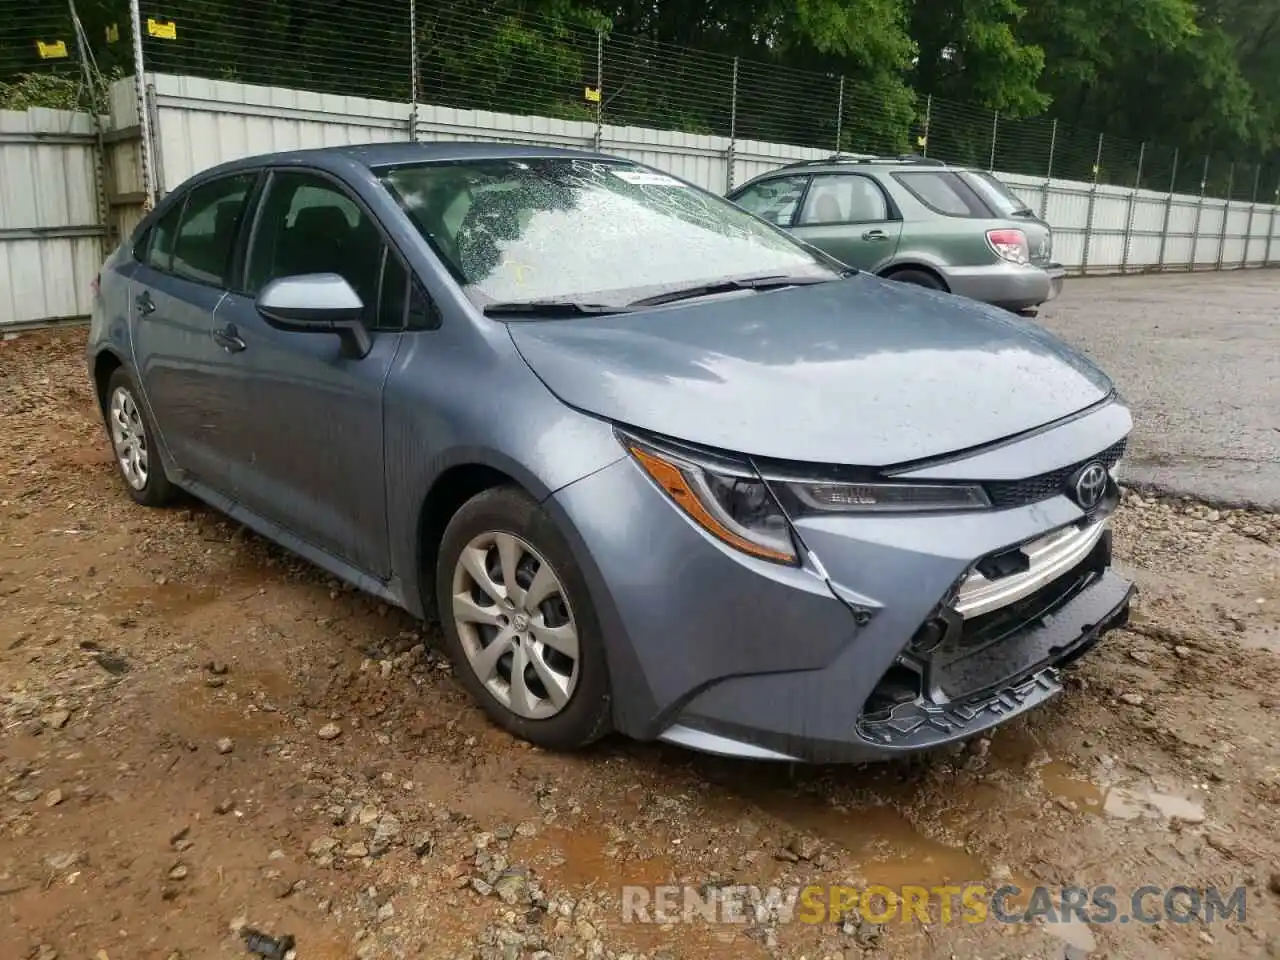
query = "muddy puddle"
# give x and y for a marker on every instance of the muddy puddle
(1116, 802)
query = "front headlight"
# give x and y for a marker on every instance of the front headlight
(732, 504)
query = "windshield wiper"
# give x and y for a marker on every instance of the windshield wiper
(549, 308)
(726, 286)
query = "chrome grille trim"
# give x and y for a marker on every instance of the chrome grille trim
(1050, 556)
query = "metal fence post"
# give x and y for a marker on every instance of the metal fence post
(97, 106)
(1133, 204)
(840, 115)
(1271, 228)
(1226, 216)
(1195, 235)
(157, 155)
(928, 115)
(599, 138)
(1253, 208)
(730, 158)
(1093, 203)
(1168, 209)
(413, 70)
(995, 130)
(140, 95)
(1048, 173)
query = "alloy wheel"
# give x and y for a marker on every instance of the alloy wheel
(129, 438)
(516, 628)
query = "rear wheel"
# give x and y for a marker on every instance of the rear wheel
(133, 445)
(919, 278)
(518, 622)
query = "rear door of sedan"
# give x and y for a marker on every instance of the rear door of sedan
(192, 385)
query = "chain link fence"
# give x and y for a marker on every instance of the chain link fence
(484, 55)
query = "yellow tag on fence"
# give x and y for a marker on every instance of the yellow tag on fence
(51, 51)
(591, 94)
(163, 29)
(113, 33)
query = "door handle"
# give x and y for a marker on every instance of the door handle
(875, 235)
(145, 304)
(228, 338)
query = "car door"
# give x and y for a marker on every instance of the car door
(849, 216)
(317, 457)
(192, 384)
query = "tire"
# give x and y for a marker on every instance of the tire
(132, 443)
(504, 527)
(919, 278)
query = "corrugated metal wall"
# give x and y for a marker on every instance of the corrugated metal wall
(1098, 229)
(50, 225)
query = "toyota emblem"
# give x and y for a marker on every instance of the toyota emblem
(1090, 485)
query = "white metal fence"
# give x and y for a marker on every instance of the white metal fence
(196, 123)
(51, 223)
(1097, 228)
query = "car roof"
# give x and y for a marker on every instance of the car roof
(377, 155)
(839, 163)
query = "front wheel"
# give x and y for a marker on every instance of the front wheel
(518, 622)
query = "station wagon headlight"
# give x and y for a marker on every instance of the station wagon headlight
(732, 504)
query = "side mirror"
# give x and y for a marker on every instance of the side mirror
(317, 303)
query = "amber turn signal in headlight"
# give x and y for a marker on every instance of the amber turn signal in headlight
(737, 509)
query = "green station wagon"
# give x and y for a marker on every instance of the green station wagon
(916, 220)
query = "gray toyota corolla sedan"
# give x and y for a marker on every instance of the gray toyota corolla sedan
(656, 466)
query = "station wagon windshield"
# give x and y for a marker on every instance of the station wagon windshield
(533, 230)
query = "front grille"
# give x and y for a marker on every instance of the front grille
(1018, 493)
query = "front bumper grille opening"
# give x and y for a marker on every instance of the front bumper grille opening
(900, 684)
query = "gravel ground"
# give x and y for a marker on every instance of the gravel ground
(1198, 357)
(198, 732)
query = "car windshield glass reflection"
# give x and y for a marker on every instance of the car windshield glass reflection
(607, 233)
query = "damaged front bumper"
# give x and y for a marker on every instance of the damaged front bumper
(959, 675)
(896, 633)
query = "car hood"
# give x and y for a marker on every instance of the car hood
(857, 371)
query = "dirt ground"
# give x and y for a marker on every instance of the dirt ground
(199, 732)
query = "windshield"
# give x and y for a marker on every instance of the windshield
(585, 230)
(1001, 198)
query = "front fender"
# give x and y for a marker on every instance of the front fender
(486, 409)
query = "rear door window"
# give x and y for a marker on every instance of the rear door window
(998, 196)
(158, 245)
(774, 200)
(943, 192)
(844, 198)
(210, 224)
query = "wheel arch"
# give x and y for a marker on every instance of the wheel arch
(901, 265)
(453, 486)
(105, 363)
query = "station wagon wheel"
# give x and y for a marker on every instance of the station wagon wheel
(132, 443)
(518, 622)
(918, 278)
